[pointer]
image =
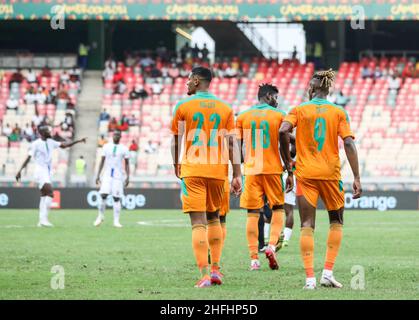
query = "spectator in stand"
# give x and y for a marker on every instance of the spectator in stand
(104, 116)
(124, 125)
(133, 150)
(58, 137)
(294, 53)
(156, 87)
(120, 87)
(28, 133)
(30, 96)
(37, 118)
(102, 141)
(150, 148)
(64, 77)
(41, 98)
(184, 51)
(130, 59)
(377, 73)
(75, 74)
(205, 53)
(63, 97)
(12, 104)
(15, 135)
(341, 99)
(408, 71)
(133, 121)
(113, 125)
(318, 55)
(138, 92)
(173, 71)
(45, 73)
(52, 96)
(108, 73)
(74, 79)
(68, 122)
(31, 76)
(394, 84)
(110, 63)
(230, 72)
(162, 51)
(155, 72)
(118, 76)
(196, 52)
(146, 63)
(16, 77)
(365, 72)
(7, 130)
(184, 71)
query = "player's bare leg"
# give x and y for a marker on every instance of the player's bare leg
(45, 205)
(276, 225)
(308, 218)
(101, 208)
(334, 240)
(200, 246)
(252, 233)
(116, 212)
(215, 243)
(289, 224)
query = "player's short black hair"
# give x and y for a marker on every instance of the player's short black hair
(203, 73)
(266, 88)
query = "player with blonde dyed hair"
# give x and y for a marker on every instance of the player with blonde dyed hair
(319, 124)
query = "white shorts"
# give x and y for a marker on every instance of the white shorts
(42, 176)
(112, 186)
(290, 196)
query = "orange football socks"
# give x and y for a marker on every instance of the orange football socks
(333, 244)
(277, 223)
(215, 241)
(252, 233)
(307, 250)
(200, 247)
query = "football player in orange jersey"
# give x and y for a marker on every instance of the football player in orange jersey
(207, 123)
(318, 124)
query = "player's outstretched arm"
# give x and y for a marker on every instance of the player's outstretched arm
(102, 162)
(72, 143)
(234, 154)
(284, 144)
(352, 155)
(25, 163)
(175, 154)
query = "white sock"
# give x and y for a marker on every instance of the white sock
(266, 230)
(48, 201)
(327, 273)
(116, 211)
(287, 234)
(102, 208)
(311, 280)
(42, 209)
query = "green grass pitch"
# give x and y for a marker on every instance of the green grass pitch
(151, 258)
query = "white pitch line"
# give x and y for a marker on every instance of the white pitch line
(11, 226)
(164, 223)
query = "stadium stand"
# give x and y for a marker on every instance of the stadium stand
(40, 97)
(384, 118)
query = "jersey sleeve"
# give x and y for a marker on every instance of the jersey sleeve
(230, 123)
(31, 150)
(344, 128)
(239, 127)
(177, 121)
(292, 117)
(55, 144)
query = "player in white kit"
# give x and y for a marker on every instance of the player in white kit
(41, 150)
(289, 204)
(112, 182)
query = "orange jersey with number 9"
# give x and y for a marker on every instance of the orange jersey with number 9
(204, 121)
(319, 123)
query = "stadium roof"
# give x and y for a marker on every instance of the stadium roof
(240, 10)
